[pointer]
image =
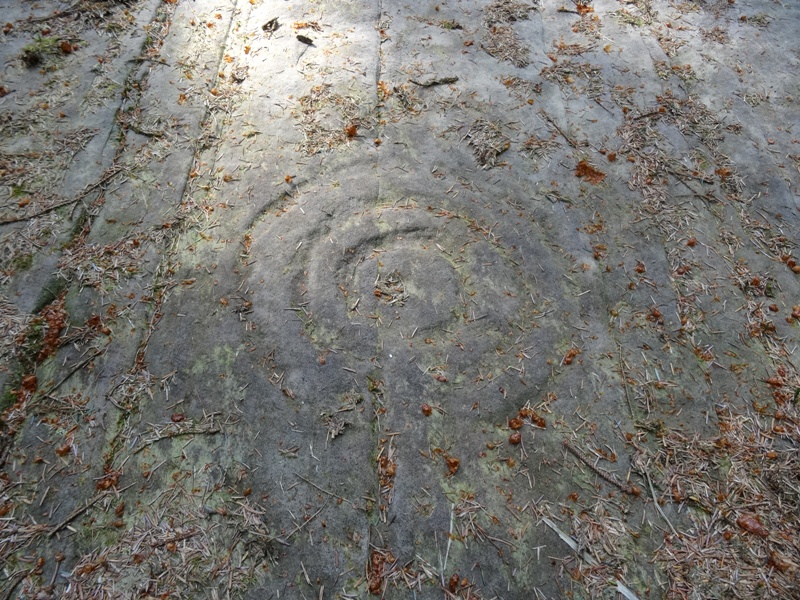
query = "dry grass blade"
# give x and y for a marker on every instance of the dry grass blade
(572, 49)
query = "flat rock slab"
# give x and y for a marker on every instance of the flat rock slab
(477, 299)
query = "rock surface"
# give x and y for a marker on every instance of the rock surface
(476, 299)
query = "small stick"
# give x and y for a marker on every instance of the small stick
(74, 369)
(148, 58)
(658, 507)
(299, 527)
(88, 190)
(435, 81)
(177, 538)
(63, 13)
(324, 491)
(624, 377)
(649, 114)
(705, 197)
(570, 141)
(79, 511)
(38, 214)
(17, 579)
(606, 476)
(172, 434)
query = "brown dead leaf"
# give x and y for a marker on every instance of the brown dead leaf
(589, 173)
(29, 383)
(453, 464)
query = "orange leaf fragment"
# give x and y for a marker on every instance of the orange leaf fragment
(109, 480)
(584, 9)
(780, 562)
(751, 524)
(384, 89)
(452, 464)
(589, 173)
(29, 383)
(64, 450)
(570, 355)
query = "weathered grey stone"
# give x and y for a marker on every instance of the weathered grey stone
(486, 299)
